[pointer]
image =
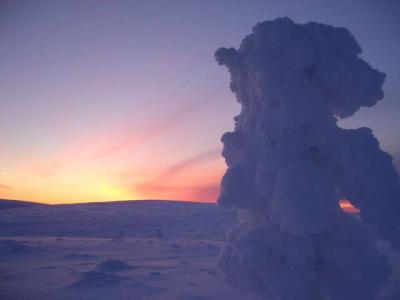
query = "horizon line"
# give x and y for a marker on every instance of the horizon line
(110, 201)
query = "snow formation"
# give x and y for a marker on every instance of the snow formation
(289, 164)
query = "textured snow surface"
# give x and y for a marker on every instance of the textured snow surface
(132, 250)
(99, 262)
(289, 164)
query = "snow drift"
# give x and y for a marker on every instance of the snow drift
(289, 164)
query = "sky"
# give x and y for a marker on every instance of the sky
(120, 100)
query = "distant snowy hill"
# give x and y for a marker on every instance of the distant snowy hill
(5, 203)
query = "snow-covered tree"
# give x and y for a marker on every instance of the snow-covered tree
(289, 164)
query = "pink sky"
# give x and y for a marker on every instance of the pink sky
(118, 100)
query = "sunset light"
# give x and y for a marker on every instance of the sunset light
(107, 168)
(348, 207)
(215, 150)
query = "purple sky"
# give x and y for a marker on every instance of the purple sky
(101, 99)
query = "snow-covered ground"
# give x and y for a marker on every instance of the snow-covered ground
(124, 250)
(119, 250)
(139, 219)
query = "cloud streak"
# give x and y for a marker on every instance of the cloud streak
(191, 162)
(178, 181)
(5, 187)
(171, 191)
(98, 146)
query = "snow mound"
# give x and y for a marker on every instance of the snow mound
(113, 265)
(97, 279)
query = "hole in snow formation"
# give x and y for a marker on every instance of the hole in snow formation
(348, 207)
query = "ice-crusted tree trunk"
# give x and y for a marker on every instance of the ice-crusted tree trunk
(289, 164)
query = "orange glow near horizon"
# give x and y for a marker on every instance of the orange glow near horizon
(85, 186)
(114, 168)
(348, 207)
(94, 188)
